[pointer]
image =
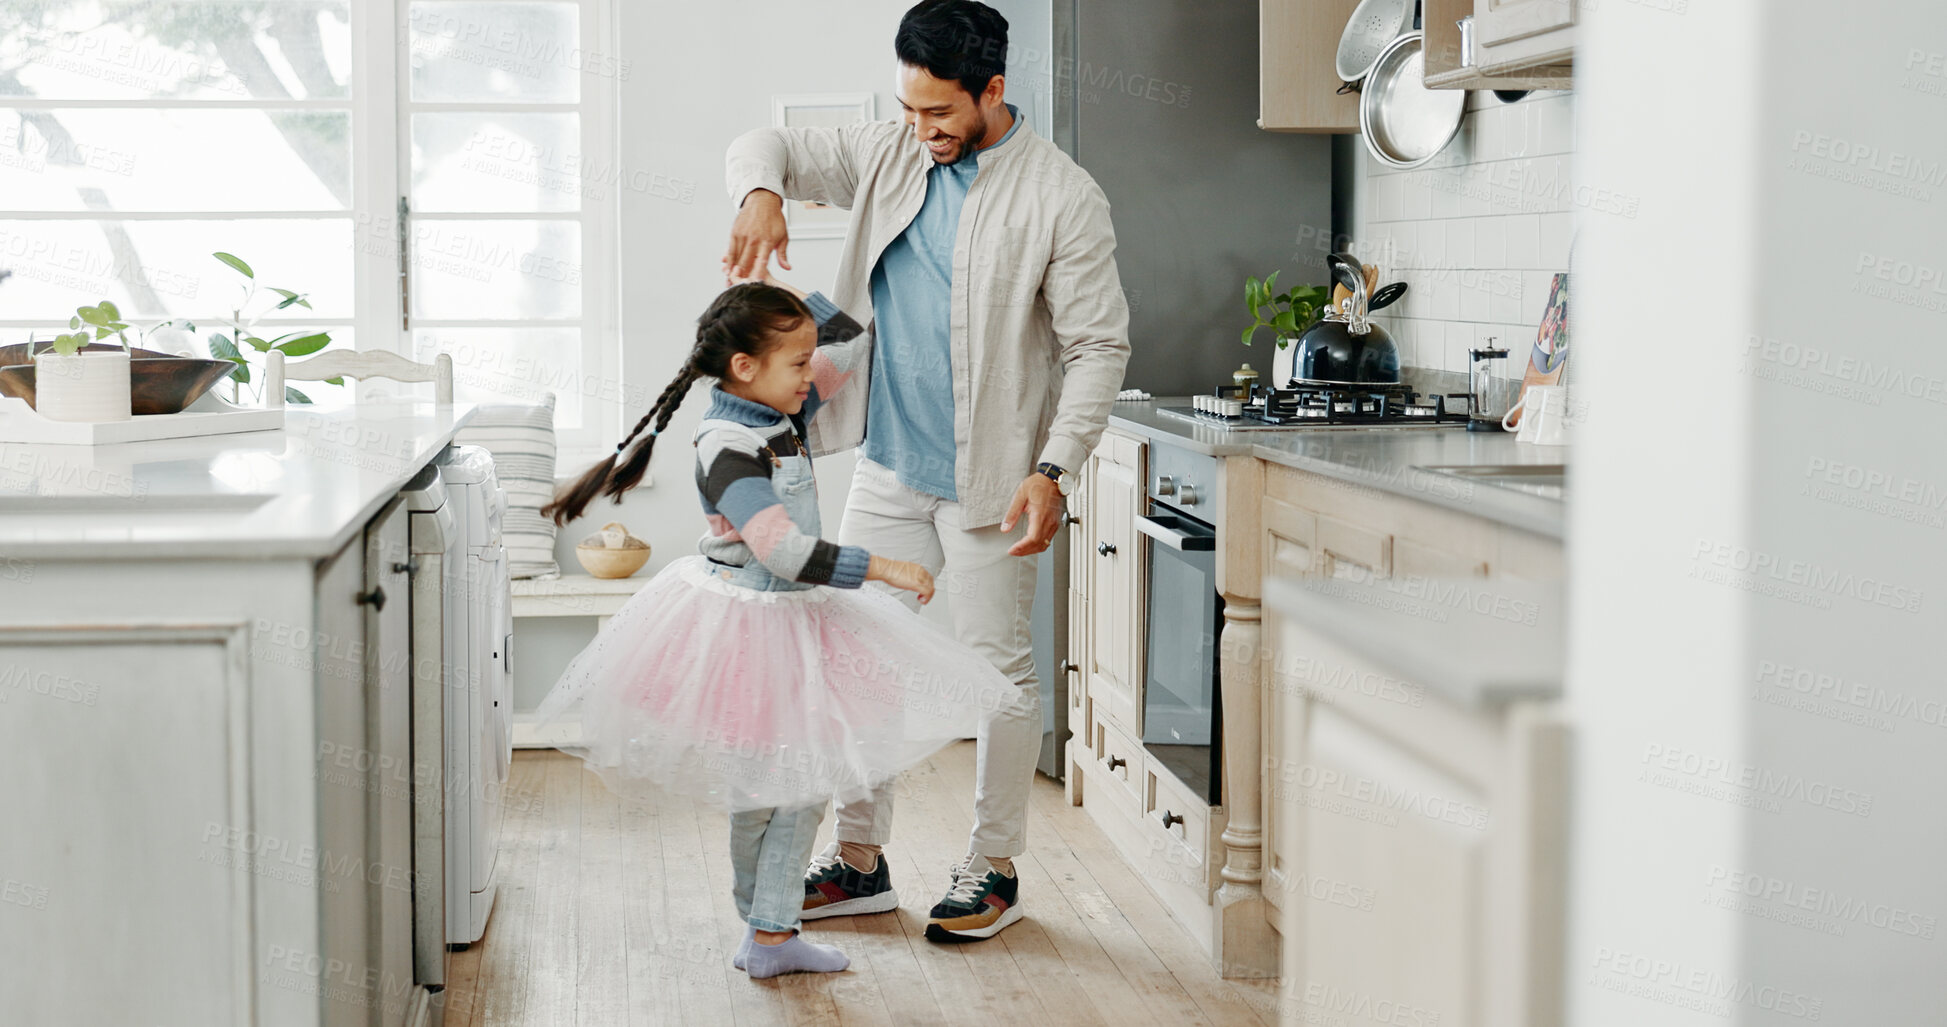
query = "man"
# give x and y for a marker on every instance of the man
(986, 259)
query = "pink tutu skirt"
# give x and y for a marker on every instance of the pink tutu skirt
(749, 699)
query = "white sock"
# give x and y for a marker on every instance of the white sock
(792, 955)
(743, 951)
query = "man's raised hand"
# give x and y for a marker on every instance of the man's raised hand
(758, 232)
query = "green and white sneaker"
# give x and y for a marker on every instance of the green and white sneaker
(979, 904)
(833, 887)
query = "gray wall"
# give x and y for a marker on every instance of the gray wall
(1163, 97)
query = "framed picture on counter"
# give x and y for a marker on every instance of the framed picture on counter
(808, 220)
(1549, 359)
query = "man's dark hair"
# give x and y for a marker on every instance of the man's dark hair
(957, 39)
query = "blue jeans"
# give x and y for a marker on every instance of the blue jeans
(768, 852)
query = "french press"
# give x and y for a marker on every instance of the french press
(1481, 403)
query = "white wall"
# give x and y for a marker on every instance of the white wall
(1477, 233)
(1706, 545)
(700, 75)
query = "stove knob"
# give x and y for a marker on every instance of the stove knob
(1187, 495)
(1165, 485)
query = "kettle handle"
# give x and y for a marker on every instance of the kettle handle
(1347, 271)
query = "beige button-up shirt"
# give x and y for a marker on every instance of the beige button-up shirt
(1039, 324)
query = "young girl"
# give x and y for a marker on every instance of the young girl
(731, 676)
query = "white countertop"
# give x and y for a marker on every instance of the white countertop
(1479, 642)
(1387, 459)
(299, 492)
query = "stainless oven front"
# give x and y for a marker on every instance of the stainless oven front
(1181, 726)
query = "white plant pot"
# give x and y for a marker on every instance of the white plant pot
(1284, 362)
(85, 386)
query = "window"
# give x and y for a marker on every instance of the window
(136, 139)
(511, 194)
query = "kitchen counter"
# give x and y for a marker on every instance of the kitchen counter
(1386, 459)
(301, 492)
(1479, 643)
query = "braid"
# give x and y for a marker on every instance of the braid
(614, 478)
(635, 463)
(742, 319)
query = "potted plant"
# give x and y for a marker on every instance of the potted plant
(72, 383)
(1289, 313)
(243, 333)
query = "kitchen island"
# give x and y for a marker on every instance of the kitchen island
(1362, 683)
(206, 681)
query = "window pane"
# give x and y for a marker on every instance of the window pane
(204, 51)
(170, 160)
(476, 269)
(499, 52)
(517, 365)
(497, 162)
(161, 269)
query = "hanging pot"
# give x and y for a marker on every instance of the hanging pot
(1348, 349)
(86, 386)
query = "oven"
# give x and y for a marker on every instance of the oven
(1182, 708)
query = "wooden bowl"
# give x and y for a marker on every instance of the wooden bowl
(603, 562)
(612, 561)
(159, 383)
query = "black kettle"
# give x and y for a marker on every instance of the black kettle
(1346, 348)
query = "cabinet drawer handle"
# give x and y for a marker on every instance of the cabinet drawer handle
(1117, 761)
(375, 598)
(1170, 819)
(409, 567)
(1069, 518)
(1105, 548)
(1067, 667)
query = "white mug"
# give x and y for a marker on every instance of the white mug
(1543, 422)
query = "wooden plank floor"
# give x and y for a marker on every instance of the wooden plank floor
(611, 913)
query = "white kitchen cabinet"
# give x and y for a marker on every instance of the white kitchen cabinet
(1290, 550)
(1413, 845)
(1115, 595)
(205, 713)
(1513, 34)
(390, 793)
(1518, 44)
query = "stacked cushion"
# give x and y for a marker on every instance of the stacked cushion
(521, 438)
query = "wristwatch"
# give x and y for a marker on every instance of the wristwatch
(1062, 479)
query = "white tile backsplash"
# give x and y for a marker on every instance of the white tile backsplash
(1524, 241)
(1477, 234)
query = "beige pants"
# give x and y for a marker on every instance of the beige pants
(990, 597)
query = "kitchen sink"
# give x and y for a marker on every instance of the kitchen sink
(1547, 480)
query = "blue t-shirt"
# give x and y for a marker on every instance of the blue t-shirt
(909, 419)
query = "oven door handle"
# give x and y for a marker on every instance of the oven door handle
(1176, 538)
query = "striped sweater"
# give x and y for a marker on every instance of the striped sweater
(734, 448)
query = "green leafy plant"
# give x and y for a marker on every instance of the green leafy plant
(241, 342)
(103, 317)
(105, 320)
(1287, 313)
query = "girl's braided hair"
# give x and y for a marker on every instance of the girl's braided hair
(745, 318)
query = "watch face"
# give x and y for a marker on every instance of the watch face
(1066, 483)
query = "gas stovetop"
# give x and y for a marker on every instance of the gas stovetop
(1324, 406)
